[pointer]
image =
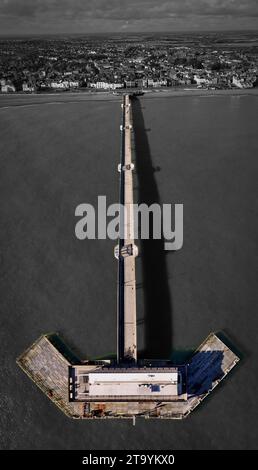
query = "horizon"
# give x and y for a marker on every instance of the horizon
(129, 33)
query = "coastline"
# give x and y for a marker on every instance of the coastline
(174, 93)
(23, 99)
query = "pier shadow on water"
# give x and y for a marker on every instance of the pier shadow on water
(158, 306)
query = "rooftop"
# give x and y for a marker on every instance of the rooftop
(142, 383)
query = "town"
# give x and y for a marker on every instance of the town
(104, 62)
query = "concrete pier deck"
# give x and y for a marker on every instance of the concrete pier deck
(48, 369)
(127, 341)
(57, 378)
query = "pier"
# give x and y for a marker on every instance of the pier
(126, 250)
(126, 387)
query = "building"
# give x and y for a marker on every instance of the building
(200, 80)
(62, 85)
(8, 88)
(74, 84)
(106, 85)
(130, 83)
(28, 87)
(236, 82)
(127, 383)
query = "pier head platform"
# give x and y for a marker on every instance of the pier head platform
(126, 387)
(105, 389)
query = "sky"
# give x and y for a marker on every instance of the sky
(100, 16)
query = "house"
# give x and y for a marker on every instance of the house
(130, 83)
(60, 85)
(236, 82)
(200, 81)
(28, 87)
(8, 88)
(106, 85)
(74, 84)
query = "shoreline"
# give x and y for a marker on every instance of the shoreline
(16, 100)
(199, 93)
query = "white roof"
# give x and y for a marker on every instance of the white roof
(132, 384)
(138, 377)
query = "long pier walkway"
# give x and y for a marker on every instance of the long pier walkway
(126, 250)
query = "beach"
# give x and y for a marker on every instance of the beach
(23, 99)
